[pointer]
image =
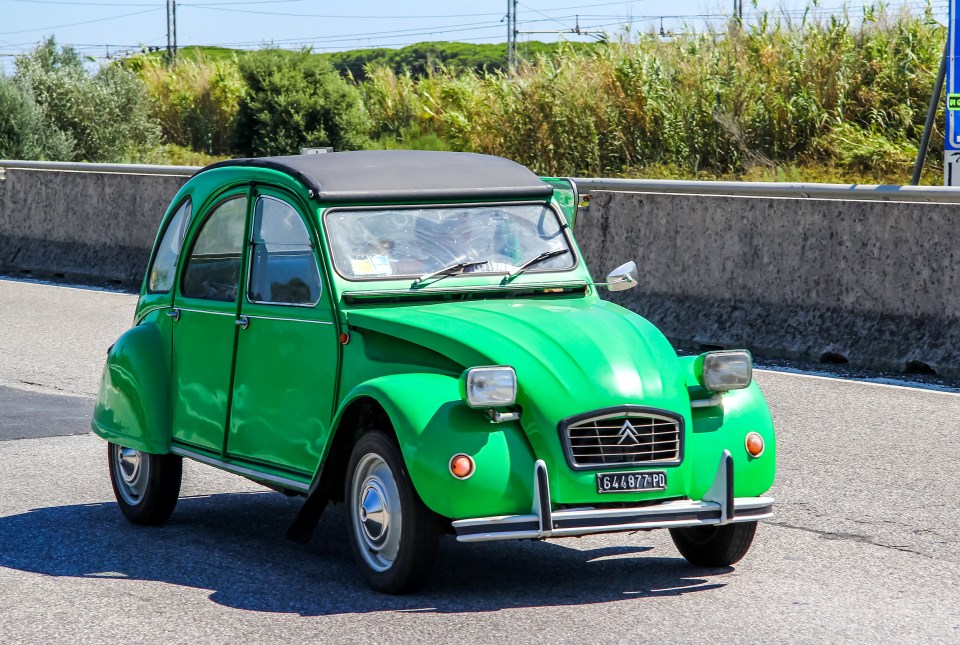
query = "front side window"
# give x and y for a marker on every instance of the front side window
(404, 242)
(283, 268)
(213, 267)
(165, 263)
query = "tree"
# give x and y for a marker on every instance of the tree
(24, 133)
(106, 115)
(295, 100)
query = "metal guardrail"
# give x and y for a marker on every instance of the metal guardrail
(858, 192)
(115, 168)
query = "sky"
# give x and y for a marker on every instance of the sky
(105, 29)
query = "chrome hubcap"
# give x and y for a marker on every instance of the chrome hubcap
(375, 501)
(133, 471)
(374, 516)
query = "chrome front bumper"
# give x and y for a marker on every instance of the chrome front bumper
(718, 506)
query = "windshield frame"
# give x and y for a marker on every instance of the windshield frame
(561, 220)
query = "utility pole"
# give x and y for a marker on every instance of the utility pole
(516, 58)
(511, 35)
(169, 42)
(171, 30)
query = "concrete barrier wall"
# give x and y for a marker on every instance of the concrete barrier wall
(873, 283)
(91, 227)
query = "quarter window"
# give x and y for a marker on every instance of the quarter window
(214, 264)
(165, 263)
(283, 266)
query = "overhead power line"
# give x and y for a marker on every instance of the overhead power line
(462, 31)
(147, 4)
(327, 16)
(77, 24)
(88, 4)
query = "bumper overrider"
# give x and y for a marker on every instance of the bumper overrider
(718, 507)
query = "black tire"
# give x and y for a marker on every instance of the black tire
(393, 561)
(146, 486)
(714, 546)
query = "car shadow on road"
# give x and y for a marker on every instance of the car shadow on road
(233, 545)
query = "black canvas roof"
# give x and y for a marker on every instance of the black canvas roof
(374, 175)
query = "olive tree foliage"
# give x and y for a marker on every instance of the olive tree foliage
(106, 115)
(24, 133)
(296, 100)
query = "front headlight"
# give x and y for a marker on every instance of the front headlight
(723, 371)
(486, 387)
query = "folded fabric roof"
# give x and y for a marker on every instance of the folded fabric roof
(403, 175)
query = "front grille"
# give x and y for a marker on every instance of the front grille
(622, 439)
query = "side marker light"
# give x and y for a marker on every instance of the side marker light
(462, 466)
(754, 444)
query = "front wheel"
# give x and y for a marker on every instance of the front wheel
(393, 534)
(146, 486)
(714, 546)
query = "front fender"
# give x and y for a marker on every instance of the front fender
(433, 424)
(725, 426)
(133, 406)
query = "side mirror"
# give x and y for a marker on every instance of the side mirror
(623, 277)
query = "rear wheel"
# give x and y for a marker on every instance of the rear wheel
(714, 546)
(146, 486)
(393, 534)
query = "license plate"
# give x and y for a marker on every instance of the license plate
(631, 482)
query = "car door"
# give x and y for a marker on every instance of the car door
(206, 306)
(287, 347)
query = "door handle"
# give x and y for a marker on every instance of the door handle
(175, 314)
(243, 322)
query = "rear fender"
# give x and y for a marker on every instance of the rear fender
(432, 424)
(133, 408)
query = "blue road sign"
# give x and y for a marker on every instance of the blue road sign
(951, 144)
(953, 83)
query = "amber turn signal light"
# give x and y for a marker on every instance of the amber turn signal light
(754, 444)
(462, 466)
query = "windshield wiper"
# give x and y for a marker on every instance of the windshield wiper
(448, 270)
(543, 257)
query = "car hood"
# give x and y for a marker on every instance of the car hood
(570, 355)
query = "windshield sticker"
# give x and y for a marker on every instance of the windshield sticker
(371, 265)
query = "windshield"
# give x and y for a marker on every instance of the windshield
(412, 242)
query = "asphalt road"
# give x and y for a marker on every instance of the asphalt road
(863, 547)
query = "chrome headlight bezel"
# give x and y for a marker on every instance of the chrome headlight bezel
(489, 386)
(725, 370)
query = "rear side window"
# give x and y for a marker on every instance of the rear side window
(214, 264)
(283, 268)
(165, 263)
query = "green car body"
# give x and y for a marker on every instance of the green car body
(282, 392)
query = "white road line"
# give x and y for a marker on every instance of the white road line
(875, 382)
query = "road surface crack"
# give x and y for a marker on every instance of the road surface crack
(852, 537)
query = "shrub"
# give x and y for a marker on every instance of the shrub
(24, 133)
(296, 100)
(106, 115)
(194, 100)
